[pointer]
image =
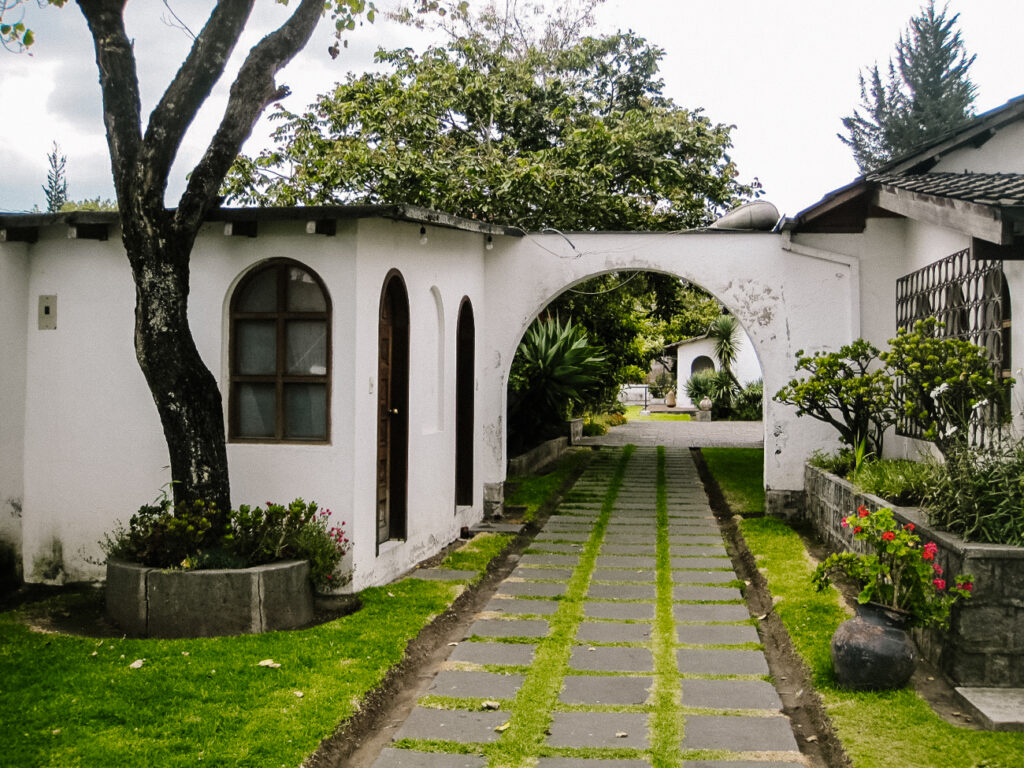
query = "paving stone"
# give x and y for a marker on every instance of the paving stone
(582, 689)
(687, 592)
(622, 591)
(408, 758)
(717, 634)
(504, 654)
(713, 661)
(582, 762)
(611, 659)
(530, 573)
(487, 526)
(689, 563)
(521, 606)
(704, 613)
(730, 694)
(625, 574)
(625, 561)
(509, 628)
(693, 538)
(531, 588)
(681, 577)
(615, 537)
(739, 734)
(556, 547)
(475, 685)
(549, 560)
(738, 764)
(609, 632)
(598, 610)
(562, 536)
(648, 548)
(567, 524)
(598, 729)
(698, 550)
(452, 725)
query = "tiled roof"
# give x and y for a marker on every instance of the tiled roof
(1003, 189)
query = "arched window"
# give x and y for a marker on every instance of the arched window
(280, 356)
(700, 364)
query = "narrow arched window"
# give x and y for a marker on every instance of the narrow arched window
(280, 356)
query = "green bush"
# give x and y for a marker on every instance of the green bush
(898, 481)
(663, 383)
(748, 403)
(717, 386)
(841, 462)
(979, 495)
(197, 536)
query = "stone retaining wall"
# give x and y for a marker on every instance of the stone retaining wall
(162, 603)
(985, 643)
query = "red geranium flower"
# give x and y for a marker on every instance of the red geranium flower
(858, 529)
(940, 584)
(910, 527)
(967, 585)
(937, 568)
(888, 535)
(845, 523)
(862, 512)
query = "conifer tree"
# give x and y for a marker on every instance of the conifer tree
(56, 188)
(927, 92)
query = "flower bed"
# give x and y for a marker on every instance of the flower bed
(152, 602)
(985, 643)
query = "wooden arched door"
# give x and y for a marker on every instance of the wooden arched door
(465, 380)
(392, 410)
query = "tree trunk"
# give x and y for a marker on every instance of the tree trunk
(185, 392)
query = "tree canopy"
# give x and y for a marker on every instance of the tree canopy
(928, 92)
(576, 137)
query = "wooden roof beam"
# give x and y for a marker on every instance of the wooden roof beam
(982, 221)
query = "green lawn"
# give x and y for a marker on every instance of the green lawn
(634, 413)
(740, 475)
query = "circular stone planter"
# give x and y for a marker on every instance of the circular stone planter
(152, 602)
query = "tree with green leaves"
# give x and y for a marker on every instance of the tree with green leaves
(927, 91)
(56, 188)
(158, 240)
(576, 138)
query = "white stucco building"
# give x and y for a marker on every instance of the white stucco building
(363, 352)
(698, 354)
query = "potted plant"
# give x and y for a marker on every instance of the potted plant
(901, 586)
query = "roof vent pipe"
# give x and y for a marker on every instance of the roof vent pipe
(756, 216)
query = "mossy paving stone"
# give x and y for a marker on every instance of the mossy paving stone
(533, 573)
(474, 685)
(730, 694)
(612, 632)
(738, 733)
(681, 577)
(509, 628)
(691, 539)
(605, 690)
(599, 610)
(531, 588)
(623, 574)
(408, 758)
(715, 661)
(689, 592)
(583, 762)
(629, 537)
(693, 528)
(690, 563)
(598, 729)
(716, 634)
(452, 725)
(625, 561)
(571, 560)
(622, 591)
(710, 613)
(611, 659)
(505, 654)
(554, 547)
(627, 549)
(514, 605)
(698, 550)
(562, 536)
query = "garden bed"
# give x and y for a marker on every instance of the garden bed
(151, 602)
(985, 643)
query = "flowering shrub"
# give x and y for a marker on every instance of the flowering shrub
(900, 574)
(197, 536)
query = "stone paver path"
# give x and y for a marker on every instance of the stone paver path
(620, 641)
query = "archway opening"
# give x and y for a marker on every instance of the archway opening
(392, 409)
(465, 356)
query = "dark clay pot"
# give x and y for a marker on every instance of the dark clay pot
(873, 651)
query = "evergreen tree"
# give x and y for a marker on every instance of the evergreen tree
(928, 92)
(56, 188)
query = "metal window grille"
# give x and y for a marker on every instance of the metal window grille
(971, 298)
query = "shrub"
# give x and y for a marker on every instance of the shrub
(899, 481)
(748, 403)
(663, 383)
(841, 462)
(197, 536)
(979, 495)
(717, 386)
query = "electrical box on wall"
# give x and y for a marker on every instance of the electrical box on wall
(47, 313)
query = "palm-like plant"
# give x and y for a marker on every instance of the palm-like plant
(725, 332)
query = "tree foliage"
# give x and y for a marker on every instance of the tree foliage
(578, 137)
(56, 188)
(927, 92)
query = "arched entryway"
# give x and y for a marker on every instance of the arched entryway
(465, 356)
(392, 410)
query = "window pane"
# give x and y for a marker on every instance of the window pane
(260, 293)
(256, 347)
(306, 348)
(304, 295)
(256, 411)
(305, 409)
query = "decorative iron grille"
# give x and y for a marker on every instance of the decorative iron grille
(971, 298)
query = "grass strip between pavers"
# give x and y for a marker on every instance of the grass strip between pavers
(666, 722)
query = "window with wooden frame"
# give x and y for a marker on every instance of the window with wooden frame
(280, 349)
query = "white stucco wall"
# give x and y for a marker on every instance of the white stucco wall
(747, 368)
(14, 320)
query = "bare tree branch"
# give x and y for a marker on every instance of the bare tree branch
(178, 22)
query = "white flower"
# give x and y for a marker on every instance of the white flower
(939, 390)
(950, 430)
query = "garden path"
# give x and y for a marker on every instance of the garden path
(621, 640)
(683, 434)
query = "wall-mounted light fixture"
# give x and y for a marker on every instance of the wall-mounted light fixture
(423, 235)
(489, 245)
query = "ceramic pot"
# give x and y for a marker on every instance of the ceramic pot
(873, 651)
(670, 398)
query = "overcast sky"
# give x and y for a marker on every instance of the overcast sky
(782, 72)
